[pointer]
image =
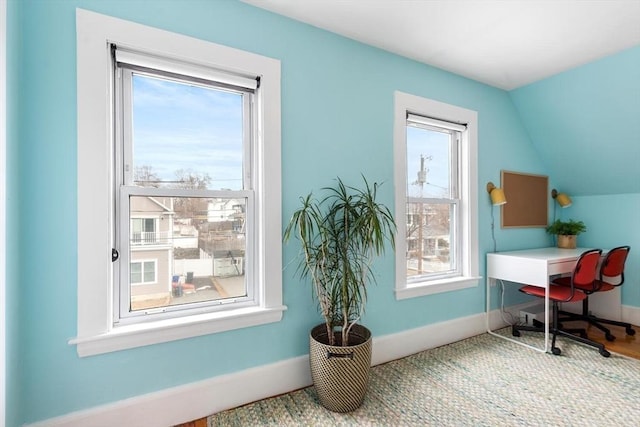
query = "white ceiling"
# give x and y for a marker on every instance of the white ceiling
(504, 43)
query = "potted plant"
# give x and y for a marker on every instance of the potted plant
(340, 235)
(567, 232)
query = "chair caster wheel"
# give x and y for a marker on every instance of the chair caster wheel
(631, 331)
(609, 337)
(556, 351)
(605, 353)
(515, 332)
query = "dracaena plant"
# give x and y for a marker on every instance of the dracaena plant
(340, 236)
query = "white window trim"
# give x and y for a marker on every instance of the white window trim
(3, 208)
(96, 333)
(403, 103)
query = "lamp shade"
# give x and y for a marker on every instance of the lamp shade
(497, 197)
(497, 194)
(563, 200)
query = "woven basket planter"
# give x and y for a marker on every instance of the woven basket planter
(340, 374)
(566, 241)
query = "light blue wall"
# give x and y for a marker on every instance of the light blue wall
(585, 123)
(612, 221)
(337, 108)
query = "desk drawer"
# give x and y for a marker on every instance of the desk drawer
(563, 267)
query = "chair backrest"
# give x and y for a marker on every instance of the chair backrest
(585, 272)
(612, 269)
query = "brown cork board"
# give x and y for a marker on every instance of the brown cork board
(527, 199)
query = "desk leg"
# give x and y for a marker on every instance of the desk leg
(489, 304)
(546, 318)
(491, 280)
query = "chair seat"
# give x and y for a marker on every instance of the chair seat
(556, 293)
(566, 281)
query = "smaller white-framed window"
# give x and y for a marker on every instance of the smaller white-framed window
(435, 178)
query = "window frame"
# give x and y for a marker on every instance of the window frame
(468, 276)
(96, 212)
(451, 200)
(127, 65)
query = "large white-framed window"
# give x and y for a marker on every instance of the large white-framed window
(435, 178)
(184, 185)
(138, 214)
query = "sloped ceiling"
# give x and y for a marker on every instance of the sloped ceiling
(572, 66)
(585, 123)
(505, 44)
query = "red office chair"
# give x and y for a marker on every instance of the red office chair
(611, 276)
(584, 273)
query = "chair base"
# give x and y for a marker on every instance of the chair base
(569, 333)
(597, 322)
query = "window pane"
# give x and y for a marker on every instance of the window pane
(136, 272)
(199, 248)
(186, 135)
(149, 272)
(429, 238)
(149, 225)
(428, 163)
(432, 200)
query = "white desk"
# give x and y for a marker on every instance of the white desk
(529, 267)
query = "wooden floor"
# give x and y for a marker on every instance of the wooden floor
(628, 345)
(202, 422)
(624, 344)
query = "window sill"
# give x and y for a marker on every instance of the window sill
(138, 335)
(436, 286)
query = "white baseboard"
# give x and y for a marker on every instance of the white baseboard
(498, 320)
(628, 314)
(402, 344)
(631, 315)
(192, 401)
(200, 399)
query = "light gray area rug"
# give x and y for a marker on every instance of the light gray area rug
(480, 381)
